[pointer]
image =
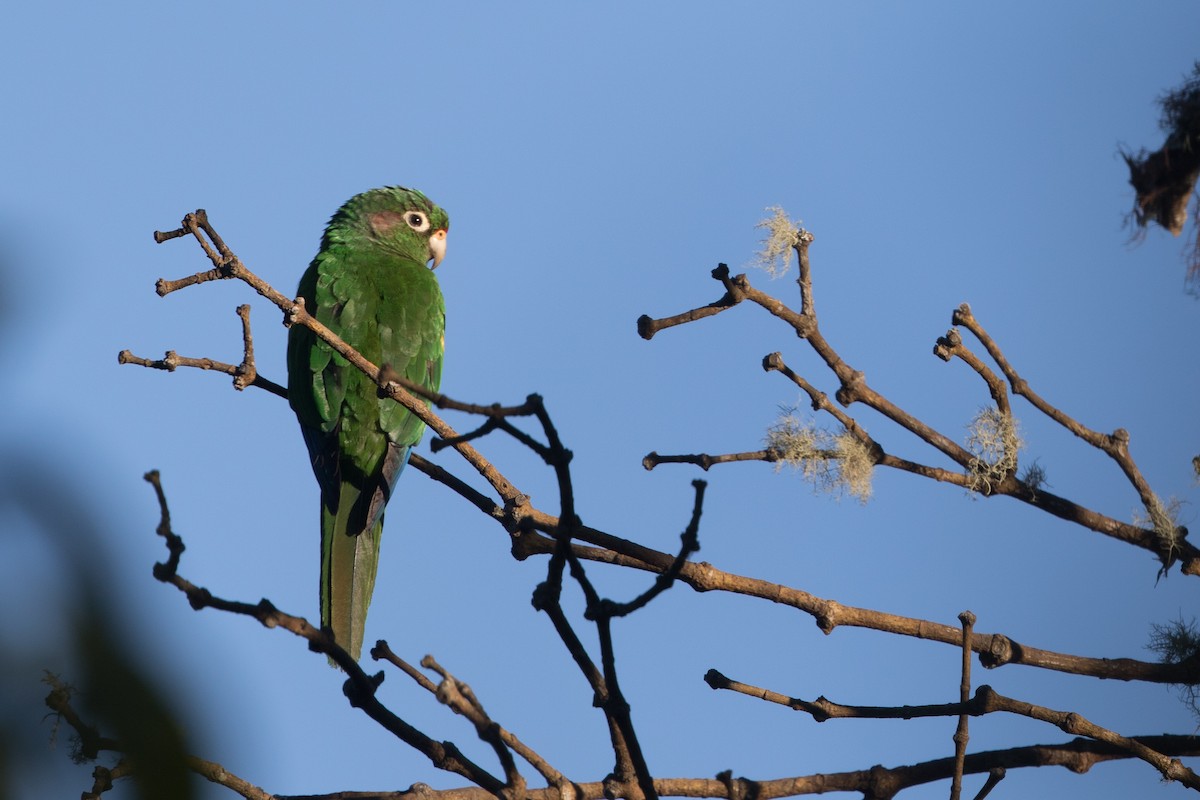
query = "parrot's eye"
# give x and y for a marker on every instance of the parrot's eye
(417, 221)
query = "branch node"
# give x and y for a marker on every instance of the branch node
(772, 362)
(199, 599)
(851, 388)
(266, 612)
(293, 312)
(736, 788)
(1074, 724)
(1001, 651)
(646, 327)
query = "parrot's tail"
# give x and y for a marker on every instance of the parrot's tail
(349, 560)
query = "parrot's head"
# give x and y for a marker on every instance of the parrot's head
(400, 220)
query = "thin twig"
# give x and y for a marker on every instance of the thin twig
(473, 711)
(172, 361)
(459, 697)
(648, 326)
(995, 775)
(689, 542)
(704, 460)
(951, 346)
(961, 734)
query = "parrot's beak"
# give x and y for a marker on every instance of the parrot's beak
(437, 246)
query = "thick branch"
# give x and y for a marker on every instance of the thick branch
(995, 649)
(1077, 755)
(985, 701)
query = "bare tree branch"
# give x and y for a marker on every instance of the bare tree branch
(985, 701)
(1164, 538)
(461, 699)
(961, 735)
(360, 688)
(1169, 542)
(1078, 755)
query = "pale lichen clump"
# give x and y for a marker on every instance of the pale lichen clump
(1163, 519)
(783, 234)
(837, 463)
(994, 442)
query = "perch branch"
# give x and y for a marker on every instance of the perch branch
(227, 265)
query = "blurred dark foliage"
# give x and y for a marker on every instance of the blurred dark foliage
(117, 698)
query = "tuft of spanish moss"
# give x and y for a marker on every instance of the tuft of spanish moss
(783, 235)
(833, 462)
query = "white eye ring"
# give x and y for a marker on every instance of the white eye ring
(417, 221)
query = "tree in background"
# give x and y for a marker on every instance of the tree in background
(1165, 180)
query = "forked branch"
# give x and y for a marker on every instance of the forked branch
(1165, 538)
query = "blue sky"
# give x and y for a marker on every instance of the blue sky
(597, 161)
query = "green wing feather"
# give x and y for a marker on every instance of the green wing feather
(389, 307)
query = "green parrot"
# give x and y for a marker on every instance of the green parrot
(370, 285)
